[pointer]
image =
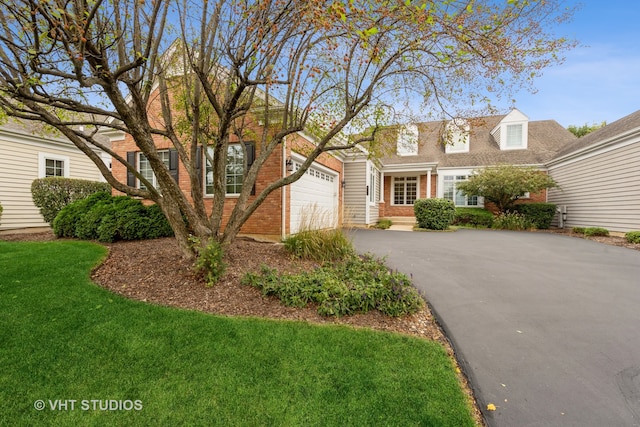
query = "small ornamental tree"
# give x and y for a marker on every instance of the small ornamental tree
(503, 185)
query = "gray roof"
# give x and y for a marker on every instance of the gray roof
(41, 130)
(625, 124)
(545, 139)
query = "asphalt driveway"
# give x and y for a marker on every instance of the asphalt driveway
(547, 327)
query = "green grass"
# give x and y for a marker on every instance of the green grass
(63, 337)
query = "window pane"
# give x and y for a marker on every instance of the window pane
(54, 168)
(234, 171)
(514, 135)
(412, 192)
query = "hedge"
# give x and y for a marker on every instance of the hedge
(475, 217)
(434, 214)
(539, 214)
(53, 194)
(109, 218)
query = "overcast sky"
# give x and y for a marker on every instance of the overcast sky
(600, 80)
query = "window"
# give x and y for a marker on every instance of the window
(144, 167)
(456, 136)
(52, 165)
(234, 174)
(459, 199)
(373, 185)
(514, 136)
(405, 190)
(407, 144)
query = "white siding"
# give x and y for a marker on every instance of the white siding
(601, 189)
(19, 162)
(355, 194)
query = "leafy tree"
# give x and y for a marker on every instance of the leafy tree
(581, 131)
(504, 184)
(258, 70)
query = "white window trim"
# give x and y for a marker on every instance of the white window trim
(393, 189)
(455, 172)
(154, 180)
(410, 148)
(503, 138)
(454, 134)
(204, 171)
(42, 163)
(373, 173)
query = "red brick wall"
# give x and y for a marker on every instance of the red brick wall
(267, 219)
(387, 209)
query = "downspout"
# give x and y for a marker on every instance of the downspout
(284, 190)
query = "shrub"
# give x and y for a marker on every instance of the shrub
(578, 230)
(53, 194)
(596, 231)
(108, 218)
(631, 236)
(356, 285)
(511, 221)
(1, 211)
(210, 263)
(434, 214)
(539, 214)
(383, 224)
(64, 224)
(319, 245)
(474, 217)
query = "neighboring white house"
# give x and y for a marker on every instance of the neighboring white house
(28, 153)
(599, 177)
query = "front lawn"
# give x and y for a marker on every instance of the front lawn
(65, 339)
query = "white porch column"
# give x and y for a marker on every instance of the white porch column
(429, 183)
(381, 187)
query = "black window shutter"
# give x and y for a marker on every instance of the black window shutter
(174, 160)
(250, 148)
(199, 163)
(131, 159)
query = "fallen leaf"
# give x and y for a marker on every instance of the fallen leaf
(491, 407)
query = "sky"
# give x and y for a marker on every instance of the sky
(600, 79)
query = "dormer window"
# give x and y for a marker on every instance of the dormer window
(456, 136)
(407, 141)
(511, 133)
(514, 136)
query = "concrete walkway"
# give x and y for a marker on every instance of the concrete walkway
(547, 327)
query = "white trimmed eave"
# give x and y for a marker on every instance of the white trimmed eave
(630, 136)
(409, 167)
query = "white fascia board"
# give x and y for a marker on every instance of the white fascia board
(409, 167)
(618, 141)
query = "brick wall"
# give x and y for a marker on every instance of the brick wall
(267, 219)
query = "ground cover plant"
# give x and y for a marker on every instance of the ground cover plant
(632, 236)
(356, 285)
(66, 338)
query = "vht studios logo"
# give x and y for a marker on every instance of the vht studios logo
(88, 405)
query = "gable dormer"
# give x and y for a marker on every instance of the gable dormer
(512, 131)
(456, 136)
(407, 144)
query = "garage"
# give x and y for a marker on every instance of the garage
(314, 198)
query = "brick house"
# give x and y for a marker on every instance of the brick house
(316, 194)
(427, 160)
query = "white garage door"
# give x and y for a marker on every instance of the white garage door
(314, 199)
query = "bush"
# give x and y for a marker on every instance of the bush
(539, 214)
(210, 263)
(356, 285)
(474, 217)
(53, 194)
(108, 218)
(578, 230)
(434, 214)
(383, 224)
(511, 221)
(64, 224)
(596, 231)
(631, 236)
(319, 245)
(1, 211)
